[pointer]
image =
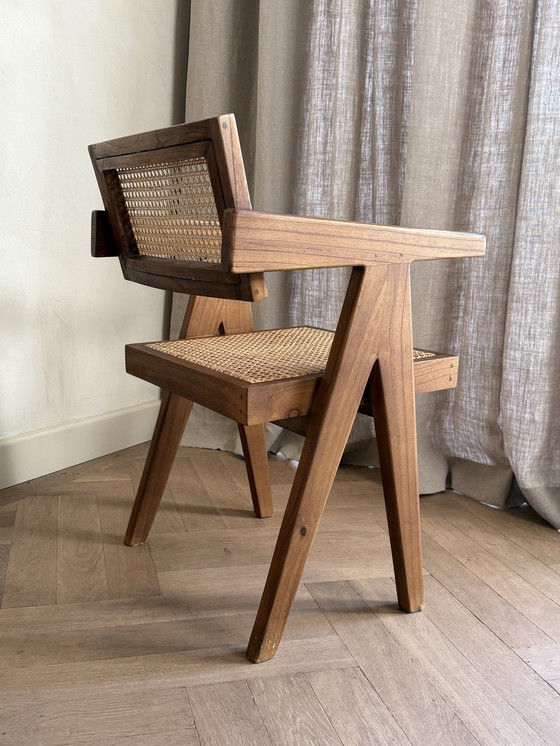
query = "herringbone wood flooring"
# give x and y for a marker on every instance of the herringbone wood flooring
(105, 644)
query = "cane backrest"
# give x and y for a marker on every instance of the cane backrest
(165, 194)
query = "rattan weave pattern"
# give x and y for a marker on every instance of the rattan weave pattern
(172, 211)
(258, 357)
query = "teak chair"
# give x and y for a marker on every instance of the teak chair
(178, 214)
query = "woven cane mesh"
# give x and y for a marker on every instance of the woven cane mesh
(172, 211)
(258, 357)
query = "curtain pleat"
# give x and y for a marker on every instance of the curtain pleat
(424, 114)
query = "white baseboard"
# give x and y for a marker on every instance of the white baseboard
(31, 455)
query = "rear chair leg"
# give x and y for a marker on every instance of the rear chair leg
(393, 402)
(253, 441)
(172, 419)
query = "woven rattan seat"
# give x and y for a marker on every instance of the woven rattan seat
(178, 216)
(258, 357)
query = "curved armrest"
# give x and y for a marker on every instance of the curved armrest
(262, 241)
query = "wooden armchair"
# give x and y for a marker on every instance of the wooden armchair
(178, 214)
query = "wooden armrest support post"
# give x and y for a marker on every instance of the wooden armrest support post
(263, 242)
(102, 241)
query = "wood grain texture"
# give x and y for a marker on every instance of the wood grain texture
(485, 602)
(217, 141)
(225, 713)
(94, 671)
(130, 574)
(4, 556)
(291, 711)
(148, 716)
(392, 395)
(203, 316)
(355, 709)
(352, 356)
(520, 560)
(400, 679)
(500, 666)
(31, 573)
(81, 573)
(521, 594)
(262, 242)
(545, 661)
(488, 716)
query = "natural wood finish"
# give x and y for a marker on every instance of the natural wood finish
(497, 663)
(246, 403)
(452, 673)
(392, 394)
(262, 242)
(102, 242)
(160, 717)
(292, 712)
(215, 139)
(253, 442)
(350, 362)
(225, 713)
(81, 573)
(470, 669)
(522, 595)
(355, 709)
(203, 317)
(435, 373)
(31, 572)
(401, 680)
(372, 343)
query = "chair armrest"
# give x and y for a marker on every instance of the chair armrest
(262, 241)
(102, 241)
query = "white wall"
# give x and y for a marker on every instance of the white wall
(72, 72)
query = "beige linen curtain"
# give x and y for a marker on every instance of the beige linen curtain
(423, 113)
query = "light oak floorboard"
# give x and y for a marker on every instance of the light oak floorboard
(487, 715)
(499, 545)
(355, 709)
(4, 555)
(527, 599)
(226, 713)
(102, 643)
(292, 712)
(500, 666)
(168, 519)
(130, 570)
(100, 716)
(398, 676)
(505, 621)
(81, 574)
(521, 525)
(545, 660)
(32, 566)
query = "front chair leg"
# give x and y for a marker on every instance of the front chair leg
(174, 412)
(253, 441)
(352, 356)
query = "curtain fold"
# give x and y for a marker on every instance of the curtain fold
(425, 114)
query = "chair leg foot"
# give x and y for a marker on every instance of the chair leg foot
(253, 441)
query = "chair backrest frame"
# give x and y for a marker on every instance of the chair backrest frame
(211, 146)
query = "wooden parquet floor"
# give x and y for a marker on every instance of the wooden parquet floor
(105, 644)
